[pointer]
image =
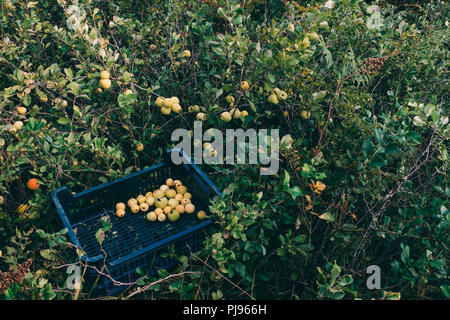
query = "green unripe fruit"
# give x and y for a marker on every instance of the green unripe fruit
(173, 216)
(305, 114)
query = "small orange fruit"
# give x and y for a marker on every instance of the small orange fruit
(131, 202)
(185, 201)
(176, 108)
(158, 194)
(170, 193)
(167, 209)
(177, 183)
(159, 102)
(186, 54)
(120, 205)
(181, 189)
(135, 208)
(144, 206)
(244, 85)
(104, 74)
(150, 201)
(201, 116)
(180, 208)
(120, 213)
(21, 110)
(105, 83)
(140, 199)
(166, 111)
(159, 211)
(189, 208)
(18, 125)
(173, 203)
(33, 184)
(225, 116)
(151, 216)
(140, 147)
(201, 215)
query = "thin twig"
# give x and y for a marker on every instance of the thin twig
(221, 275)
(140, 290)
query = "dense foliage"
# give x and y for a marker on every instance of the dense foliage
(362, 181)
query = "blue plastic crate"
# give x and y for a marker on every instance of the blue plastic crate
(133, 241)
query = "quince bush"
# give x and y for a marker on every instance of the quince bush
(363, 116)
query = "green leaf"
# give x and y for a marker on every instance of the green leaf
(405, 253)
(295, 192)
(221, 12)
(63, 121)
(69, 74)
(327, 217)
(74, 88)
(445, 289)
(389, 295)
(345, 280)
(106, 223)
(26, 100)
(378, 135)
(418, 121)
(49, 254)
(235, 234)
(80, 252)
(300, 238)
(428, 110)
(139, 271)
(76, 109)
(219, 93)
(268, 54)
(12, 290)
(415, 136)
(335, 272)
(47, 293)
(40, 93)
(71, 138)
(378, 162)
(252, 106)
(287, 177)
(33, 123)
(338, 295)
(100, 235)
(240, 269)
(20, 76)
